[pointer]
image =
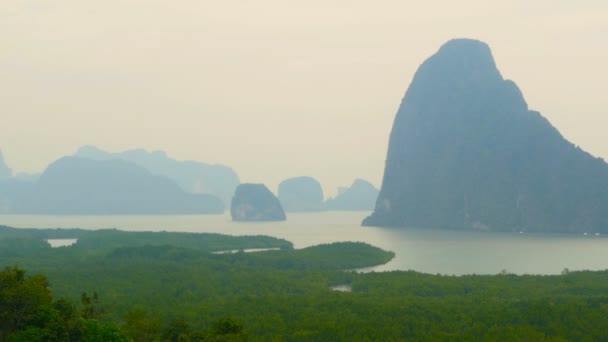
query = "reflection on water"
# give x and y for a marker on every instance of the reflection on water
(61, 242)
(342, 288)
(246, 250)
(430, 251)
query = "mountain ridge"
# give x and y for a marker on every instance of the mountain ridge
(191, 176)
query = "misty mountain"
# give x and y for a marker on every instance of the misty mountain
(301, 194)
(27, 177)
(5, 171)
(254, 202)
(465, 152)
(191, 176)
(15, 196)
(360, 196)
(80, 186)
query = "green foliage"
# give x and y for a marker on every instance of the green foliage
(90, 308)
(334, 256)
(16, 247)
(28, 313)
(227, 329)
(178, 329)
(22, 300)
(17, 242)
(164, 292)
(139, 326)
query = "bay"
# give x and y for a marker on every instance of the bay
(423, 250)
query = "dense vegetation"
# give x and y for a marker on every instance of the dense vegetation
(29, 313)
(107, 239)
(150, 290)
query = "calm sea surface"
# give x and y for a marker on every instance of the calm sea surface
(429, 251)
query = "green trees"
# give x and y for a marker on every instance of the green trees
(140, 326)
(91, 308)
(23, 300)
(28, 313)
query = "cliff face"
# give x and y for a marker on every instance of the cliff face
(301, 194)
(254, 202)
(466, 153)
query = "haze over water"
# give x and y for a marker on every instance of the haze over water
(423, 250)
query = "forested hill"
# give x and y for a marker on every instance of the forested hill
(465, 152)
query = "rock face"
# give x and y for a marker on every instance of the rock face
(361, 196)
(80, 186)
(254, 202)
(301, 194)
(466, 153)
(191, 176)
(5, 172)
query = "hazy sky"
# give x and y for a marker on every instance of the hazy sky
(274, 88)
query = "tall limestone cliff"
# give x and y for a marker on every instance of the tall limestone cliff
(465, 152)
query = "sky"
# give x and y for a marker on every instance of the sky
(274, 88)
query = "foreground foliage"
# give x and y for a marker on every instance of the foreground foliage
(29, 313)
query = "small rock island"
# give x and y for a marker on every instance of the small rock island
(254, 202)
(301, 194)
(361, 196)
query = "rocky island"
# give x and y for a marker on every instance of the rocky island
(465, 152)
(301, 194)
(254, 202)
(360, 196)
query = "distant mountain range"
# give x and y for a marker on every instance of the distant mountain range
(95, 182)
(360, 196)
(80, 186)
(465, 152)
(301, 194)
(5, 172)
(133, 182)
(191, 176)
